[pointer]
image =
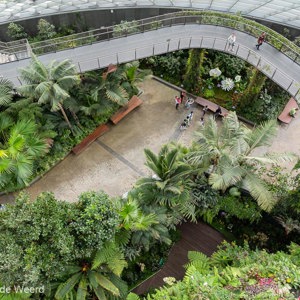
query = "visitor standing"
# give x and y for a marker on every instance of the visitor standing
(190, 116)
(260, 40)
(182, 96)
(231, 41)
(202, 121)
(183, 125)
(177, 102)
(218, 112)
(205, 108)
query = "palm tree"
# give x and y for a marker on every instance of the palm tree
(169, 186)
(6, 91)
(49, 84)
(226, 151)
(21, 145)
(99, 276)
(131, 76)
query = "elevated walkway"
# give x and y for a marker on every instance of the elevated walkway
(102, 47)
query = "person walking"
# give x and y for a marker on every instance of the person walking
(183, 125)
(260, 40)
(218, 112)
(231, 41)
(202, 121)
(205, 108)
(177, 102)
(190, 116)
(182, 95)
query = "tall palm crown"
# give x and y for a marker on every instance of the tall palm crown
(49, 84)
(226, 150)
(20, 146)
(170, 184)
(97, 278)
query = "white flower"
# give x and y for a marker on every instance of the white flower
(205, 283)
(215, 72)
(227, 84)
(237, 78)
(169, 280)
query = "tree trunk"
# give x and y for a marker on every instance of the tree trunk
(75, 118)
(65, 117)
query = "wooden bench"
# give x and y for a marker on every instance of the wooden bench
(285, 116)
(126, 109)
(90, 138)
(211, 106)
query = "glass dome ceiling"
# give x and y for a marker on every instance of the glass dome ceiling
(279, 11)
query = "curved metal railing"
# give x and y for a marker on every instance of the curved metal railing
(178, 18)
(253, 57)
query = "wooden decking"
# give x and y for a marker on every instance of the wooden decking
(197, 237)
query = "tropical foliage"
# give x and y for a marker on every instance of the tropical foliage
(227, 152)
(99, 276)
(49, 84)
(39, 239)
(235, 272)
(21, 146)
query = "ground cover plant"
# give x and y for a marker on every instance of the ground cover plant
(235, 272)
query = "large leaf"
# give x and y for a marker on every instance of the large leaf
(107, 284)
(82, 289)
(66, 287)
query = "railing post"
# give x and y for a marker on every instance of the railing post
(135, 54)
(179, 44)
(79, 67)
(168, 48)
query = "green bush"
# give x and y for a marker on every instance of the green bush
(16, 31)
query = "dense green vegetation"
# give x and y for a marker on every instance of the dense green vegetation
(53, 111)
(95, 238)
(235, 272)
(99, 247)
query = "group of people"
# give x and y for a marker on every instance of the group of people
(232, 39)
(187, 121)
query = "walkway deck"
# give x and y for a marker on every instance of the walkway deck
(270, 61)
(195, 237)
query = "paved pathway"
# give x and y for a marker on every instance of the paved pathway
(195, 237)
(115, 161)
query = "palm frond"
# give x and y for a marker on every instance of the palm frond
(259, 191)
(261, 135)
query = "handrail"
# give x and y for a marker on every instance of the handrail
(265, 66)
(183, 17)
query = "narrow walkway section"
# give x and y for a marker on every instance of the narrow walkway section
(195, 237)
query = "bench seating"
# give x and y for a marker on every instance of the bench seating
(211, 106)
(90, 139)
(285, 117)
(126, 109)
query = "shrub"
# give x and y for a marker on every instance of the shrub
(16, 31)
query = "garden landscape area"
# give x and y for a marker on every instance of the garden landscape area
(113, 188)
